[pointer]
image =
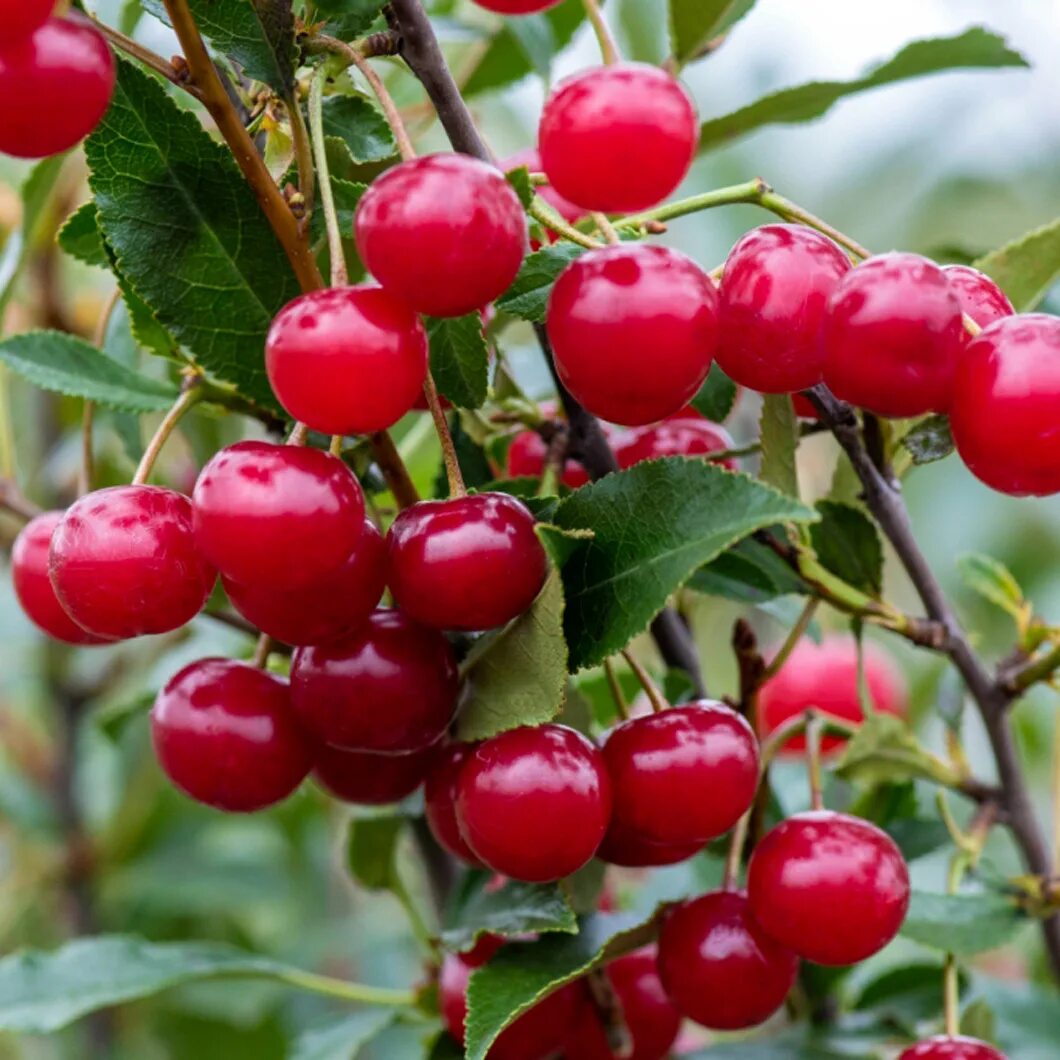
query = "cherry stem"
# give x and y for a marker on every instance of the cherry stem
(602, 222)
(734, 858)
(608, 48)
(814, 727)
(149, 58)
(792, 211)
(335, 448)
(445, 437)
(191, 394)
(303, 153)
(542, 211)
(951, 994)
(616, 690)
(88, 412)
(299, 435)
(651, 690)
(339, 275)
(794, 636)
(262, 650)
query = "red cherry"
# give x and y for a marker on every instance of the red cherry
(370, 779)
(516, 7)
(322, 610)
(649, 1015)
(277, 515)
(486, 945)
(531, 158)
(439, 797)
(596, 123)
(468, 563)
(225, 735)
(825, 676)
(633, 328)
(527, 455)
(33, 587)
(124, 562)
(445, 233)
(946, 1048)
(892, 336)
(533, 803)
(21, 17)
(833, 888)
(1006, 405)
(390, 687)
(774, 292)
(719, 967)
(631, 850)
(978, 295)
(804, 407)
(348, 360)
(66, 69)
(679, 435)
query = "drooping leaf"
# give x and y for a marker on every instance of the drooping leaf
(527, 298)
(779, 434)
(359, 124)
(695, 23)
(1026, 268)
(79, 236)
(929, 440)
(991, 579)
(964, 924)
(976, 48)
(848, 544)
(342, 1038)
(716, 396)
(885, 748)
(371, 849)
(909, 993)
(749, 572)
(459, 359)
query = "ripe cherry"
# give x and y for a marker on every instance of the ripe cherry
(322, 610)
(978, 295)
(825, 676)
(681, 776)
(391, 686)
(468, 563)
(597, 122)
(516, 7)
(225, 735)
(445, 233)
(831, 887)
(439, 797)
(1006, 405)
(277, 515)
(370, 779)
(774, 293)
(347, 360)
(527, 456)
(955, 1048)
(531, 158)
(623, 847)
(718, 965)
(633, 328)
(33, 587)
(124, 562)
(66, 68)
(892, 336)
(678, 435)
(533, 803)
(21, 17)
(650, 1017)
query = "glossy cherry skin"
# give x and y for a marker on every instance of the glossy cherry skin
(677, 436)
(516, 7)
(322, 610)
(125, 562)
(277, 515)
(774, 293)
(978, 295)
(444, 233)
(391, 686)
(681, 776)
(33, 587)
(650, 1017)
(347, 360)
(947, 1048)
(631, 850)
(368, 779)
(468, 563)
(531, 158)
(439, 798)
(718, 965)
(66, 68)
(892, 336)
(825, 676)
(633, 328)
(831, 887)
(225, 734)
(533, 803)
(1006, 405)
(618, 138)
(21, 17)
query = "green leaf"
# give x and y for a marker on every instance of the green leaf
(977, 1021)
(652, 526)
(517, 676)
(991, 579)
(963, 924)
(341, 1039)
(716, 396)
(347, 194)
(929, 440)
(371, 849)
(695, 23)
(459, 359)
(1026, 268)
(520, 180)
(65, 364)
(348, 19)
(779, 432)
(79, 236)
(358, 123)
(885, 749)
(187, 234)
(749, 573)
(527, 298)
(909, 994)
(848, 544)
(976, 48)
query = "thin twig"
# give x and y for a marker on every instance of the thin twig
(190, 395)
(386, 456)
(339, 275)
(651, 689)
(795, 634)
(303, 155)
(149, 58)
(445, 438)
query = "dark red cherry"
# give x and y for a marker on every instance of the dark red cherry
(718, 965)
(33, 587)
(225, 735)
(633, 328)
(20, 18)
(527, 455)
(774, 293)
(370, 779)
(391, 686)
(978, 295)
(322, 610)
(516, 7)
(679, 435)
(681, 776)
(468, 563)
(55, 85)
(650, 1017)
(1006, 405)
(445, 233)
(531, 158)
(533, 803)
(439, 797)
(277, 515)
(831, 887)
(596, 123)
(804, 407)
(892, 336)
(947, 1048)
(348, 360)
(631, 850)
(124, 562)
